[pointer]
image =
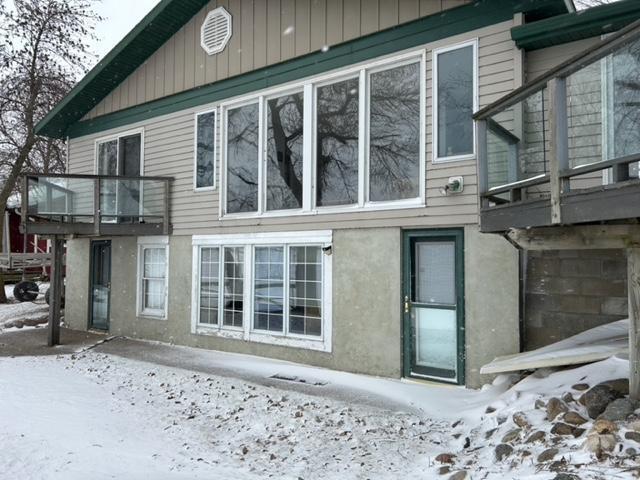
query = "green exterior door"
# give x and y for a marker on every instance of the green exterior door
(433, 305)
(100, 294)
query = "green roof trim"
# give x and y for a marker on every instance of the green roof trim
(169, 16)
(162, 22)
(574, 26)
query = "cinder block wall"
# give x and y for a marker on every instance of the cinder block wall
(567, 292)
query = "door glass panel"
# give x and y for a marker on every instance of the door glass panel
(101, 285)
(435, 272)
(129, 190)
(435, 338)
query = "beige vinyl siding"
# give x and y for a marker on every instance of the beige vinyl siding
(265, 32)
(169, 151)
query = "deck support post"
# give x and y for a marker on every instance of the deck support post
(558, 145)
(55, 290)
(633, 286)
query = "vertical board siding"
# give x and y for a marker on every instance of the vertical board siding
(265, 32)
(169, 151)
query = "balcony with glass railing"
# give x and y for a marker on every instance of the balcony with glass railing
(95, 205)
(564, 148)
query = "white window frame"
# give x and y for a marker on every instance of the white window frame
(434, 80)
(117, 136)
(309, 87)
(195, 149)
(143, 244)
(250, 241)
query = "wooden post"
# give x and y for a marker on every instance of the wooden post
(633, 286)
(558, 144)
(55, 290)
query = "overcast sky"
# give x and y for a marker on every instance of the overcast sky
(119, 18)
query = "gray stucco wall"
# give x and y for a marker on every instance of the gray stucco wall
(366, 303)
(492, 304)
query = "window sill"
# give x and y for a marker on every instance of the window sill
(266, 338)
(146, 315)
(204, 189)
(458, 158)
(368, 207)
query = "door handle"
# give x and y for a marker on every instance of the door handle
(406, 304)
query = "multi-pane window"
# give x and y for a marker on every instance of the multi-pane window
(305, 290)
(209, 284)
(353, 142)
(285, 117)
(337, 157)
(205, 150)
(454, 101)
(233, 299)
(394, 133)
(281, 294)
(242, 159)
(268, 289)
(153, 280)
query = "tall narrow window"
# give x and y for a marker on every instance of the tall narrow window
(454, 102)
(205, 150)
(269, 289)
(209, 284)
(153, 280)
(233, 286)
(305, 290)
(337, 143)
(394, 133)
(242, 159)
(284, 152)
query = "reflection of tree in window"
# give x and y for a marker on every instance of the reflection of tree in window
(455, 102)
(394, 133)
(337, 143)
(284, 152)
(242, 159)
(626, 102)
(205, 150)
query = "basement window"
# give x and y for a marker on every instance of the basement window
(268, 288)
(152, 277)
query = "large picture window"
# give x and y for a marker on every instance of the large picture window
(242, 158)
(454, 102)
(152, 278)
(285, 117)
(351, 142)
(205, 151)
(337, 155)
(266, 288)
(394, 133)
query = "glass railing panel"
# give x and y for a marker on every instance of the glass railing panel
(517, 142)
(132, 201)
(62, 199)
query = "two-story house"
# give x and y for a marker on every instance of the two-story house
(298, 179)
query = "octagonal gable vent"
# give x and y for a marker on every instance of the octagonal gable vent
(216, 31)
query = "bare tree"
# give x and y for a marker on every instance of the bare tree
(43, 49)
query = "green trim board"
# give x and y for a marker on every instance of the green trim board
(64, 120)
(451, 234)
(158, 26)
(576, 26)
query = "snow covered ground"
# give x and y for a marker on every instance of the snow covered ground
(99, 416)
(15, 310)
